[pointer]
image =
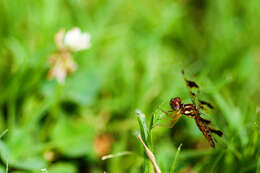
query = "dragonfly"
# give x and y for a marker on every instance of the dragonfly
(193, 110)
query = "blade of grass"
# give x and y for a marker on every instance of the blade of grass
(151, 123)
(116, 155)
(218, 158)
(143, 127)
(150, 132)
(146, 136)
(6, 169)
(175, 159)
(258, 165)
(3, 133)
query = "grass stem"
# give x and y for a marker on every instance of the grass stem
(150, 155)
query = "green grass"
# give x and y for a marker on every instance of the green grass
(138, 50)
(172, 170)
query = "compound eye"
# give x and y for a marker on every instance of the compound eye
(176, 106)
(175, 103)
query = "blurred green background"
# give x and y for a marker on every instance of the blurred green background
(138, 50)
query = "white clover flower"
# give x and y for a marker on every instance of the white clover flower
(62, 65)
(61, 61)
(76, 40)
(59, 39)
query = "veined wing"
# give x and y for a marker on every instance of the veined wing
(194, 91)
(175, 119)
(170, 117)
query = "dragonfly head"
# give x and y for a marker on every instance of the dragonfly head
(175, 103)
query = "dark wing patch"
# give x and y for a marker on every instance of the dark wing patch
(218, 132)
(191, 84)
(204, 120)
(205, 103)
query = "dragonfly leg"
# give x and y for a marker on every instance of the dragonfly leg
(173, 120)
(166, 112)
(162, 125)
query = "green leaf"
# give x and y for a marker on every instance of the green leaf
(62, 168)
(73, 138)
(22, 150)
(151, 123)
(144, 130)
(146, 136)
(30, 163)
(2, 170)
(82, 87)
(4, 152)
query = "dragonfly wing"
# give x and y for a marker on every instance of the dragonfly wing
(190, 85)
(172, 118)
(175, 119)
(218, 132)
(193, 86)
(204, 120)
(204, 103)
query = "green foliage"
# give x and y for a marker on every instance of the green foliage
(146, 136)
(175, 159)
(144, 129)
(63, 168)
(138, 49)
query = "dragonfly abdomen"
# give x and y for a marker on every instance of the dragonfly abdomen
(205, 131)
